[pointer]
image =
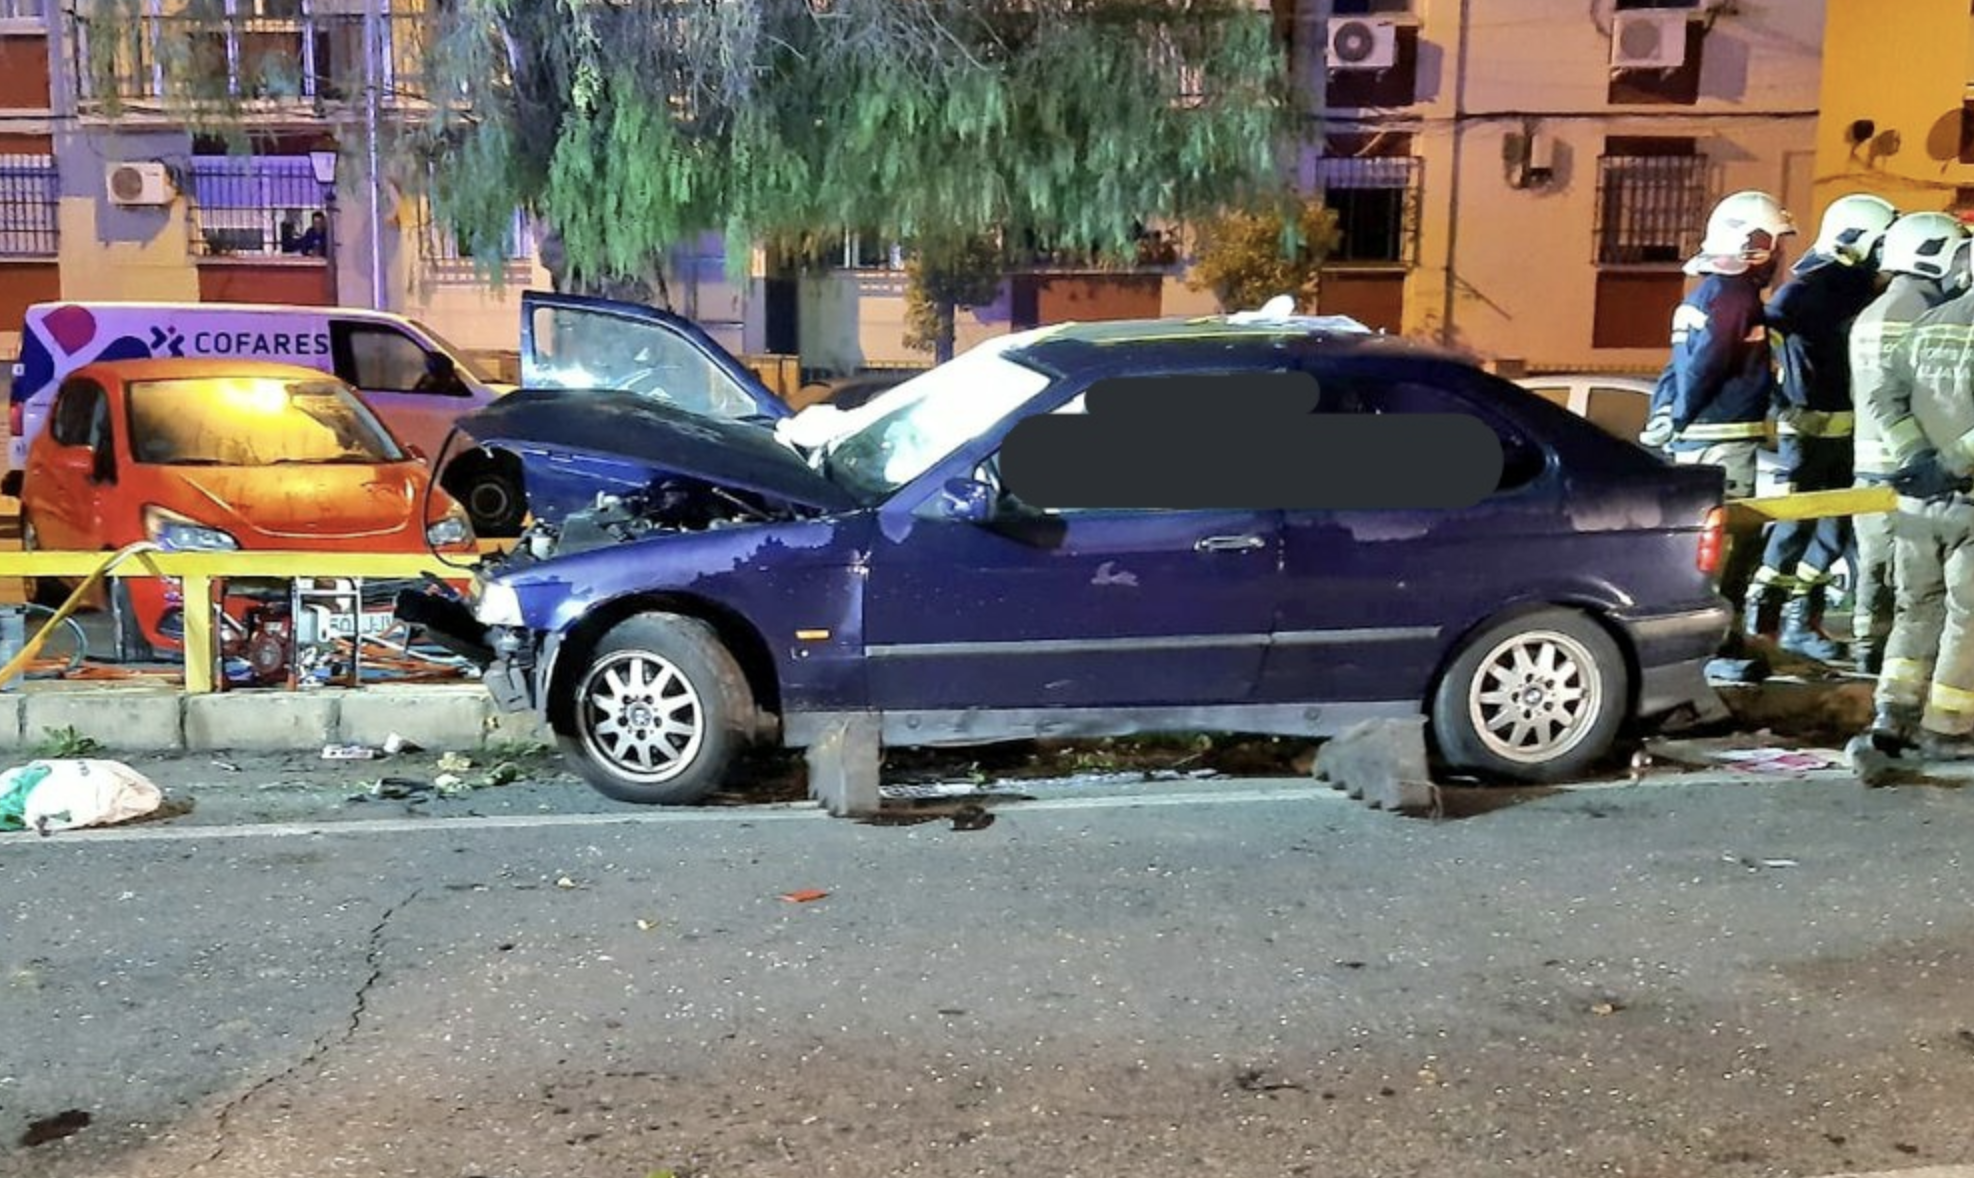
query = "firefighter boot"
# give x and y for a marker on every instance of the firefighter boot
(1939, 746)
(1758, 609)
(1800, 636)
(1892, 727)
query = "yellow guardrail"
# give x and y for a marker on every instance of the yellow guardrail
(196, 572)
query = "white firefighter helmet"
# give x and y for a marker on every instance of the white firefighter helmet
(1742, 233)
(1930, 245)
(1852, 227)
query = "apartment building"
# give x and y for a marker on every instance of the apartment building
(1525, 177)
(1898, 104)
(1519, 177)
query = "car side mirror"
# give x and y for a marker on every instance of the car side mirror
(966, 501)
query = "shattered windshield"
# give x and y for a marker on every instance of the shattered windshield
(253, 421)
(927, 418)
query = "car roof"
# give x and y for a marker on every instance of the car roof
(1071, 348)
(195, 367)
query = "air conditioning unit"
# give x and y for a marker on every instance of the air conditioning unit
(1648, 40)
(140, 184)
(1359, 44)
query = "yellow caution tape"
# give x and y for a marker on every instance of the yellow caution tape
(1844, 501)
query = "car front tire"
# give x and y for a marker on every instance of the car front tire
(1539, 697)
(658, 712)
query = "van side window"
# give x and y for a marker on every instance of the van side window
(76, 419)
(378, 359)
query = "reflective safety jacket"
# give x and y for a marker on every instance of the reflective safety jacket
(1926, 399)
(1876, 332)
(1720, 382)
(1809, 322)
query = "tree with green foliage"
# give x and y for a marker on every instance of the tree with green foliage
(628, 127)
(1247, 256)
(943, 276)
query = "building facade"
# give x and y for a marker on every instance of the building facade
(1911, 142)
(1518, 177)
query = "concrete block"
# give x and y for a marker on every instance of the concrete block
(13, 709)
(438, 718)
(119, 719)
(274, 721)
(843, 767)
(1383, 762)
(516, 727)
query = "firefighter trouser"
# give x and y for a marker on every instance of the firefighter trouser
(1737, 458)
(1929, 659)
(1801, 551)
(1872, 570)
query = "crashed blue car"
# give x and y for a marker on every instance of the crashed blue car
(733, 580)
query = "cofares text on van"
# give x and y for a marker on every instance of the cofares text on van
(259, 343)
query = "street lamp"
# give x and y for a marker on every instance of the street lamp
(323, 163)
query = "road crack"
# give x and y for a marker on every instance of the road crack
(373, 958)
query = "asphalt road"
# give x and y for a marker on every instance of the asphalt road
(1749, 977)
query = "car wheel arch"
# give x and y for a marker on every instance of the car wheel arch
(745, 642)
(1592, 609)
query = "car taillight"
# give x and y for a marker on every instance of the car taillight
(17, 419)
(1713, 536)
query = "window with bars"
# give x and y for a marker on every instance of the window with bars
(30, 203)
(258, 205)
(439, 244)
(1651, 208)
(23, 10)
(1376, 200)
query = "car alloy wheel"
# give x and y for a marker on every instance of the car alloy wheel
(641, 717)
(1536, 697)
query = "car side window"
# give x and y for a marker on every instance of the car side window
(1523, 460)
(379, 359)
(1555, 394)
(1620, 412)
(79, 414)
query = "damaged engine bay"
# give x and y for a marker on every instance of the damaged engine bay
(672, 503)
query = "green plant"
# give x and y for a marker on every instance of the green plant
(66, 742)
(1248, 256)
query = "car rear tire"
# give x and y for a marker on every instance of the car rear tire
(1539, 697)
(658, 713)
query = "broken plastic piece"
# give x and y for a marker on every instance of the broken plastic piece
(804, 896)
(348, 752)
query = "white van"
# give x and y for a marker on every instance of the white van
(387, 357)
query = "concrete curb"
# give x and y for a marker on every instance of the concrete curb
(150, 719)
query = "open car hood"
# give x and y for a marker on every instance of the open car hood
(633, 430)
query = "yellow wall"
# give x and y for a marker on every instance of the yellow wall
(160, 269)
(1903, 64)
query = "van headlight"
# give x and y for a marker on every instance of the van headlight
(454, 531)
(177, 533)
(495, 603)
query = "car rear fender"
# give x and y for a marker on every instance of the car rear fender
(1594, 606)
(572, 647)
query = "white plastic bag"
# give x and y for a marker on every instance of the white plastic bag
(88, 793)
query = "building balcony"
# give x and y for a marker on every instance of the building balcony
(283, 58)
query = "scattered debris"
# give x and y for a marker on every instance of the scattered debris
(1781, 760)
(66, 1123)
(348, 752)
(1608, 1006)
(455, 763)
(229, 766)
(1641, 763)
(395, 744)
(645, 926)
(1252, 1080)
(1753, 864)
(565, 882)
(972, 817)
(804, 896)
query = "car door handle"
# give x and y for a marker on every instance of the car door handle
(1230, 544)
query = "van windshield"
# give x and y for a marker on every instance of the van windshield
(253, 421)
(461, 359)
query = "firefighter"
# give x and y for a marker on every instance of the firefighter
(1924, 409)
(1925, 254)
(1712, 402)
(1809, 322)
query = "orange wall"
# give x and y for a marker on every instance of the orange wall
(24, 73)
(245, 282)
